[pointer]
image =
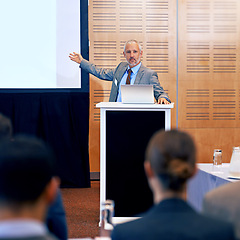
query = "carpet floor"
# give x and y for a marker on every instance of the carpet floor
(82, 210)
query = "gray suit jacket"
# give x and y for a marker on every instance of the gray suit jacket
(144, 76)
(224, 203)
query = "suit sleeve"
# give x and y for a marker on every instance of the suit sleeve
(212, 206)
(56, 218)
(206, 206)
(158, 90)
(101, 73)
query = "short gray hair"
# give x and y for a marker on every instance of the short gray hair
(132, 41)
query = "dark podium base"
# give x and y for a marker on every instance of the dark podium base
(127, 135)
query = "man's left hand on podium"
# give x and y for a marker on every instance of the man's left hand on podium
(163, 101)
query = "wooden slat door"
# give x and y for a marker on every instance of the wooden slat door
(111, 23)
(208, 76)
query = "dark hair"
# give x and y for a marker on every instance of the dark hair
(5, 127)
(172, 156)
(26, 166)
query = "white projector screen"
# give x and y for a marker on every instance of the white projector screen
(36, 38)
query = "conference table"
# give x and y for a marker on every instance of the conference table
(207, 178)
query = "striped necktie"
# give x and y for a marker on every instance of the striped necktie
(129, 76)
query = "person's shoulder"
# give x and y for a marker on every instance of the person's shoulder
(147, 70)
(128, 230)
(119, 68)
(122, 64)
(229, 189)
(130, 225)
(216, 227)
(199, 225)
(211, 222)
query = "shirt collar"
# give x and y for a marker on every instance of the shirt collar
(136, 68)
(22, 228)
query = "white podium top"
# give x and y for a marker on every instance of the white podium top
(121, 105)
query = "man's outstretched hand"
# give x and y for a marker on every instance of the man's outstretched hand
(76, 57)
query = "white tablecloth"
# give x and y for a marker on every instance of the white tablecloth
(207, 178)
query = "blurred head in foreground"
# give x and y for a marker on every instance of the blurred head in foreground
(170, 162)
(27, 182)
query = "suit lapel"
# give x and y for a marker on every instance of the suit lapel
(123, 69)
(121, 73)
(139, 75)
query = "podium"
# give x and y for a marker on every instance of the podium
(125, 130)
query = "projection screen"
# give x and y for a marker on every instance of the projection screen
(36, 38)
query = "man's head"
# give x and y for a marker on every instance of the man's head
(5, 127)
(27, 168)
(171, 157)
(132, 52)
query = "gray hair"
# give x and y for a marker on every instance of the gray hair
(132, 41)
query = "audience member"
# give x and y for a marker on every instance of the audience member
(56, 217)
(27, 187)
(223, 203)
(170, 162)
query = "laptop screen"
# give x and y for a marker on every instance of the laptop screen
(138, 93)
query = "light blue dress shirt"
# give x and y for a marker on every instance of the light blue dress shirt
(22, 228)
(124, 79)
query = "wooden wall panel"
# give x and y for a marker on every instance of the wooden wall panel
(111, 23)
(225, 139)
(209, 71)
(207, 81)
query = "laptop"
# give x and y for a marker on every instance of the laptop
(138, 93)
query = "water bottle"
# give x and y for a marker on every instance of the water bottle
(107, 213)
(234, 168)
(217, 157)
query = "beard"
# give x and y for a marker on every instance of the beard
(136, 62)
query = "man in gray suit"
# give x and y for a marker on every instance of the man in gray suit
(224, 203)
(130, 72)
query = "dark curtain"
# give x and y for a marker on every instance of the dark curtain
(62, 120)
